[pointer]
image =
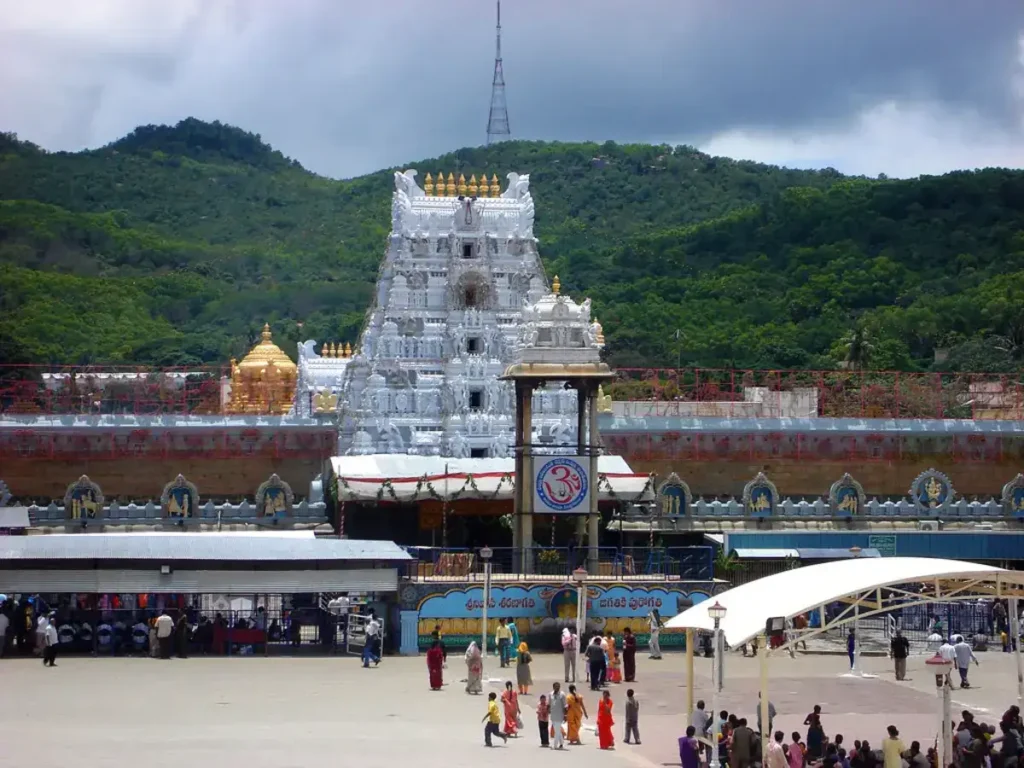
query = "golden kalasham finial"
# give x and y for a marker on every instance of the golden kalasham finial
(450, 186)
(462, 184)
(472, 185)
(484, 189)
(334, 350)
(348, 349)
(556, 285)
(439, 189)
(495, 187)
(266, 332)
(428, 185)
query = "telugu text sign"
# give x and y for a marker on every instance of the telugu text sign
(561, 485)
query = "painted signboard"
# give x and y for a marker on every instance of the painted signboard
(562, 485)
(540, 611)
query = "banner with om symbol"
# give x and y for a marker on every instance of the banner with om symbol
(561, 485)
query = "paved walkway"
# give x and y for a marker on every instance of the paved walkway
(285, 713)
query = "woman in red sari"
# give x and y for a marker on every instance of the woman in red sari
(510, 701)
(605, 722)
(435, 665)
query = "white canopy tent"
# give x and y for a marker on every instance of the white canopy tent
(868, 585)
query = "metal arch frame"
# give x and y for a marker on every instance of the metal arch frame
(939, 591)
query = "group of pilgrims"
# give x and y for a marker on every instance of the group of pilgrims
(560, 715)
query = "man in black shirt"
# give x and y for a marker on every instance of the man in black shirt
(899, 649)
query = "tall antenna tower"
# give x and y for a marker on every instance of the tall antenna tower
(497, 120)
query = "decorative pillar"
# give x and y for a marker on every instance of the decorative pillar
(522, 528)
(581, 450)
(594, 517)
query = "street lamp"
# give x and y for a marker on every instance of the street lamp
(486, 553)
(716, 612)
(580, 577)
(942, 667)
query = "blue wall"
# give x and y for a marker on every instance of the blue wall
(953, 545)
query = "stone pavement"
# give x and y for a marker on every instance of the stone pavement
(286, 712)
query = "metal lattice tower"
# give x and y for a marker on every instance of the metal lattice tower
(497, 120)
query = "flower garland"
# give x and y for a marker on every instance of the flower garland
(604, 484)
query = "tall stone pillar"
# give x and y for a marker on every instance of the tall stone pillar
(522, 529)
(594, 446)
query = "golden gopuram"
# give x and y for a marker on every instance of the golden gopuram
(264, 382)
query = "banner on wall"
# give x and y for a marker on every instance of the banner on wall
(544, 609)
(561, 485)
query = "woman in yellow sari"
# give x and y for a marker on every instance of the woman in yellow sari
(576, 710)
(614, 662)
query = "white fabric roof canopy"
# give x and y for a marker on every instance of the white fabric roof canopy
(363, 476)
(800, 590)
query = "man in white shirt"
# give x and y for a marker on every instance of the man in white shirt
(700, 721)
(370, 648)
(964, 657)
(50, 642)
(164, 628)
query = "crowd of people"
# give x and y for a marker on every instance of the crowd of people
(974, 744)
(158, 628)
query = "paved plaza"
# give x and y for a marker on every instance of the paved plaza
(285, 712)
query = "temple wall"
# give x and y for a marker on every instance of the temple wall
(144, 478)
(726, 477)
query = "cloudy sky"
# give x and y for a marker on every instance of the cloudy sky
(347, 86)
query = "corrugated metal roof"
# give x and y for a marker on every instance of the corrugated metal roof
(195, 547)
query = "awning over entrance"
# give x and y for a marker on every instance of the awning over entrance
(875, 585)
(399, 477)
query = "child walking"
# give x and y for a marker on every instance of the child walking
(632, 717)
(493, 720)
(543, 719)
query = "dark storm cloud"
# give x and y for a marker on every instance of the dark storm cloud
(349, 87)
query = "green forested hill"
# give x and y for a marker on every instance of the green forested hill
(173, 245)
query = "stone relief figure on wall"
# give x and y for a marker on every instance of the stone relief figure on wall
(458, 336)
(500, 445)
(458, 447)
(274, 498)
(179, 498)
(83, 499)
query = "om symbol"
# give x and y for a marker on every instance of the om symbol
(562, 484)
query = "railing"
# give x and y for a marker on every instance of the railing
(460, 564)
(840, 394)
(656, 391)
(99, 390)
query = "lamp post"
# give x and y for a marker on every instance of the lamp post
(942, 667)
(716, 612)
(580, 577)
(486, 553)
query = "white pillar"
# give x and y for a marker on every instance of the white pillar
(947, 725)
(1013, 630)
(765, 726)
(856, 637)
(487, 599)
(689, 673)
(716, 660)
